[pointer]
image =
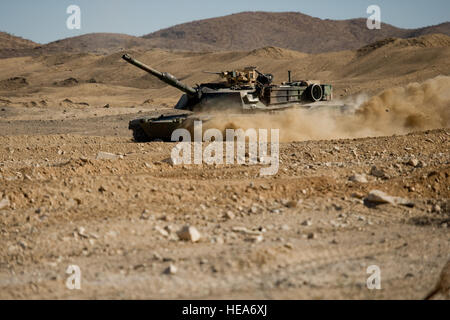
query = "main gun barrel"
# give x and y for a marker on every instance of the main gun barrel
(163, 76)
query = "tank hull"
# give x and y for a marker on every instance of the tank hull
(161, 127)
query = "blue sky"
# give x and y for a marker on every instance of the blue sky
(45, 20)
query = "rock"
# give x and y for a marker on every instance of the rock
(162, 231)
(244, 230)
(106, 106)
(189, 233)
(106, 156)
(311, 235)
(4, 203)
(291, 204)
(67, 82)
(171, 269)
(22, 244)
(166, 218)
(170, 229)
(376, 172)
(145, 215)
(171, 161)
(157, 256)
(379, 197)
(229, 215)
(361, 178)
(306, 223)
(94, 235)
(218, 240)
(139, 267)
(82, 232)
(357, 195)
(436, 208)
(255, 239)
(413, 162)
(262, 229)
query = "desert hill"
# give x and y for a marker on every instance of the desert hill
(106, 43)
(12, 46)
(237, 32)
(97, 43)
(428, 41)
(292, 30)
(9, 41)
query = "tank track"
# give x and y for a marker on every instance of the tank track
(139, 135)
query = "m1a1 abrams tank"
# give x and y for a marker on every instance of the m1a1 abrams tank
(242, 91)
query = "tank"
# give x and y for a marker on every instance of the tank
(245, 91)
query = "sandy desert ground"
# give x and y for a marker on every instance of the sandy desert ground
(306, 232)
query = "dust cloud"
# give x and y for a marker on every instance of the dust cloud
(418, 106)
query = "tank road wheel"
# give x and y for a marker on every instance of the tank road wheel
(315, 92)
(139, 135)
